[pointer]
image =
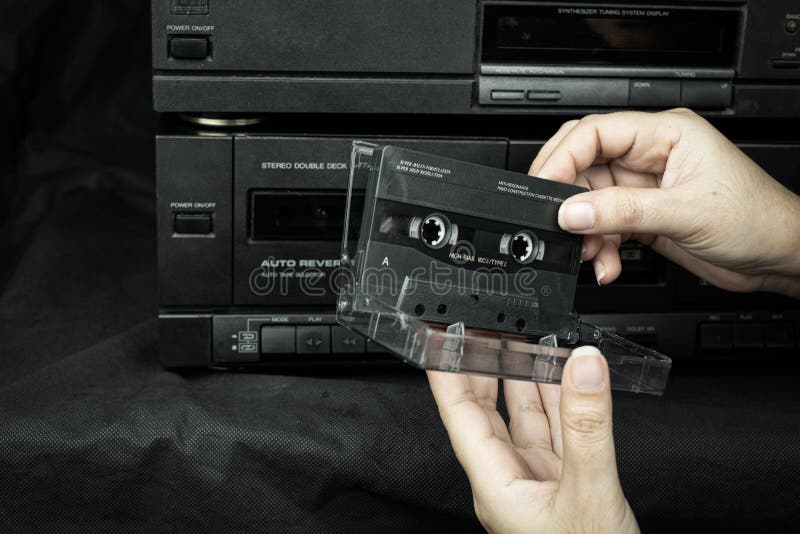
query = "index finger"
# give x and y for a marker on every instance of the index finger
(637, 141)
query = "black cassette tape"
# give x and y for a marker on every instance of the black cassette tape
(460, 267)
(454, 241)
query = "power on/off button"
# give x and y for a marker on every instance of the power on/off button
(196, 47)
(194, 223)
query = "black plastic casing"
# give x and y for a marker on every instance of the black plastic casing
(420, 57)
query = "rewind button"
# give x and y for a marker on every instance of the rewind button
(346, 341)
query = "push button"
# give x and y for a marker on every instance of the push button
(194, 223)
(189, 7)
(188, 47)
(344, 341)
(707, 94)
(544, 95)
(655, 93)
(277, 339)
(313, 339)
(715, 336)
(748, 336)
(508, 95)
(785, 63)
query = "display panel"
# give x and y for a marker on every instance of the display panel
(610, 35)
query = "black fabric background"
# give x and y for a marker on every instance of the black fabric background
(95, 436)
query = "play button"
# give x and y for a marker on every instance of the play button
(313, 339)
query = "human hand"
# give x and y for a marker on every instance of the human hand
(672, 181)
(553, 468)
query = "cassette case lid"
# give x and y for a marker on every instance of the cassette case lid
(458, 267)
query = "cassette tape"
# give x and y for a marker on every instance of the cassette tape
(461, 267)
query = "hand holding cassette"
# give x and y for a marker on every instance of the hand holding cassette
(444, 242)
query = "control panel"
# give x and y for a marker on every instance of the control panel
(271, 338)
(608, 92)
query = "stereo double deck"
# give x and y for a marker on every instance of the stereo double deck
(250, 224)
(246, 57)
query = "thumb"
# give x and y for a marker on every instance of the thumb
(589, 465)
(622, 210)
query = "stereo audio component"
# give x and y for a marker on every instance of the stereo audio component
(249, 240)
(220, 60)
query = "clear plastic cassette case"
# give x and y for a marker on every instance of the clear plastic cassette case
(458, 267)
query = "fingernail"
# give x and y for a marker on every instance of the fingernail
(576, 216)
(588, 373)
(599, 272)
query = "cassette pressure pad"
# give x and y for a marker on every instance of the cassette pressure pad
(460, 267)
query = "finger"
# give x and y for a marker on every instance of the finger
(625, 210)
(607, 263)
(551, 399)
(548, 147)
(642, 142)
(485, 389)
(589, 464)
(530, 428)
(591, 246)
(596, 177)
(528, 423)
(487, 460)
(627, 178)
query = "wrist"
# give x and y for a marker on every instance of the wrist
(789, 266)
(784, 285)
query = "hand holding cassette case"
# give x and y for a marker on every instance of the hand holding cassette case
(459, 267)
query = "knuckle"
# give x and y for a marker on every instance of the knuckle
(685, 117)
(588, 422)
(590, 119)
(682, 111)
(569, 124)
(629, 208)
(532, 406)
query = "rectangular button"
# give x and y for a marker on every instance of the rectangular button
(189, 7)
(537, 94)
(508, 95)
(714, 336)
(278, 340)
(748, 336)
(786, 64)
(706, 94)
(194, 223)
(345, 341)
(188, 47)
(313, 339)
(779, 335)
(655, 93)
